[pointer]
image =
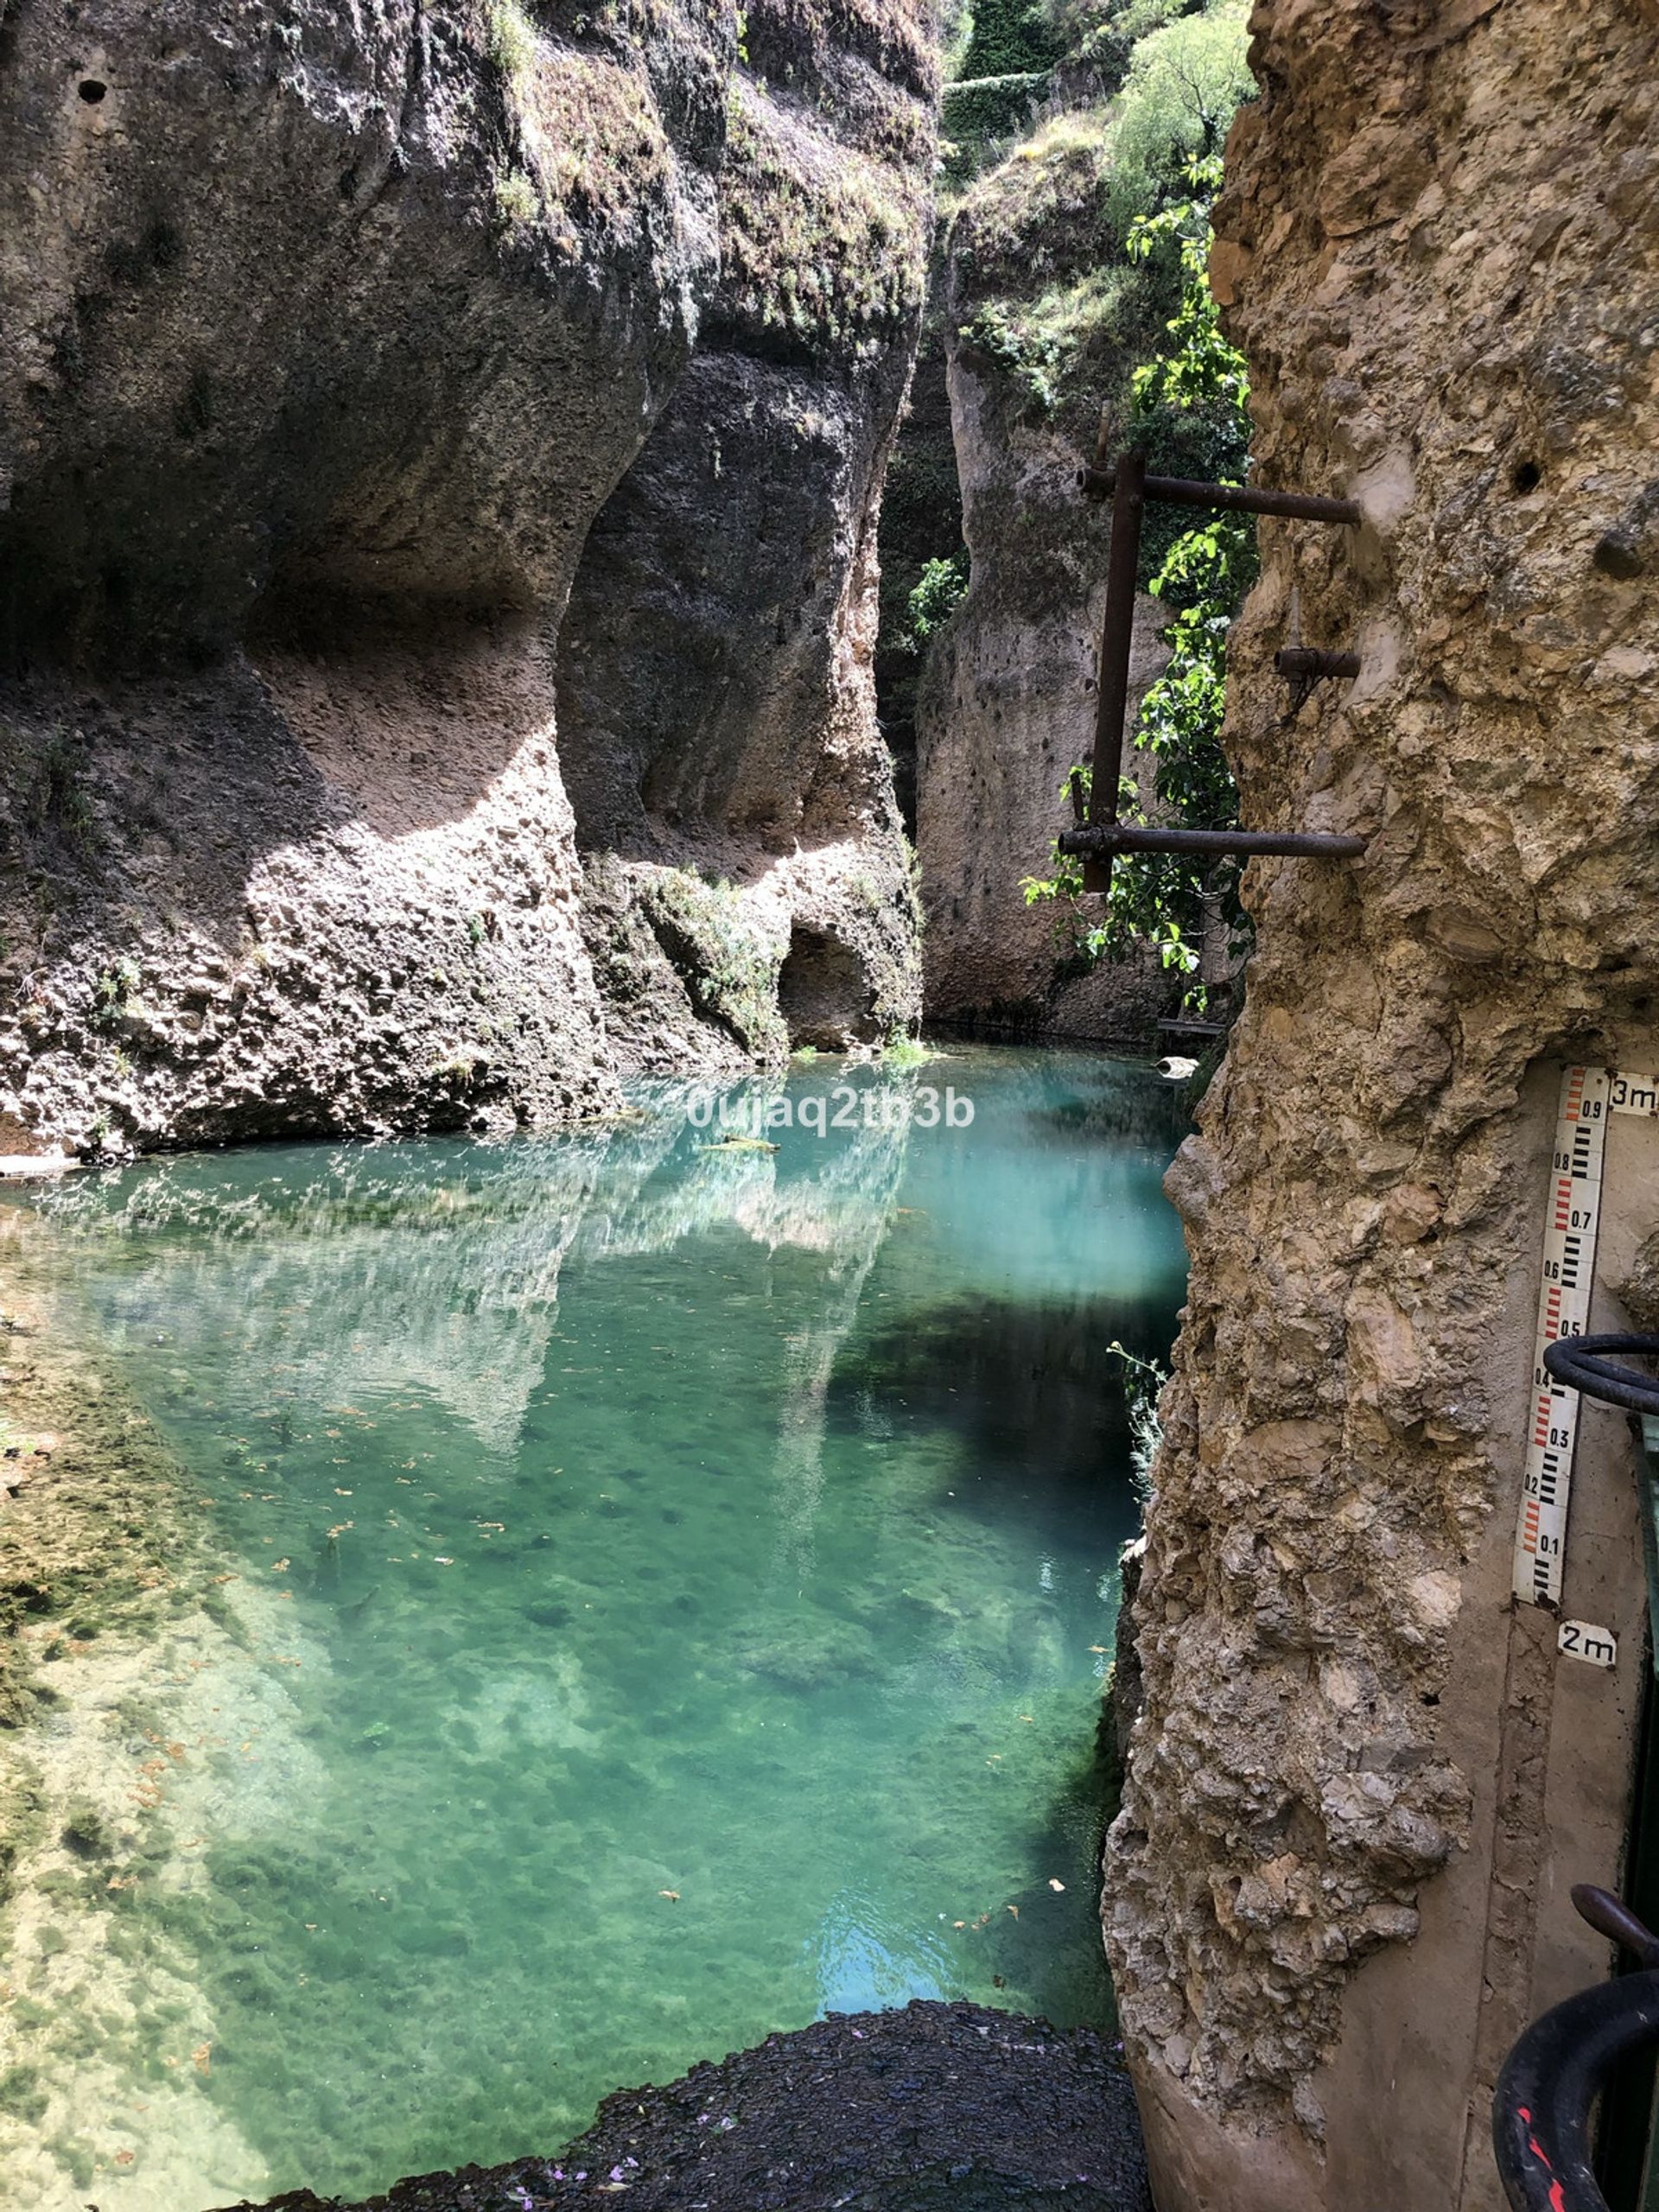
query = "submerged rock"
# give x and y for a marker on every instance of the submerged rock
(939, 2105)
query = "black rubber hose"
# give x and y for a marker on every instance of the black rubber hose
(1582, 1363)
(1541, 2114)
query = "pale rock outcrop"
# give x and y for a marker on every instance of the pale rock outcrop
(1005, 707)
(319, 357)
(717, 702)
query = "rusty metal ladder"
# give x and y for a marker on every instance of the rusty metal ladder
(1098, 835)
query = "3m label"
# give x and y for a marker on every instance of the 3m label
(1633, 1094)
(1571, 1217)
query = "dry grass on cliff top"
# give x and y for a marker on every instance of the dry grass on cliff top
(821, 243)
(590, 140)
(1044, 208)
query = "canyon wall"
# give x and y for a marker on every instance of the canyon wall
(716, 687)
(1055, 301)
(326, 340)
(1007, 709)
(1362, 1779)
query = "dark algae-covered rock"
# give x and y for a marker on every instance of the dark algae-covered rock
(936, 2109)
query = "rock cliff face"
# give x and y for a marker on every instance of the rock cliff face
(716, 691)
(1005, 710)
(1440, 250)
(326, 340)
(1053, 299)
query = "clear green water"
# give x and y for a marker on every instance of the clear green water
(657, 1518)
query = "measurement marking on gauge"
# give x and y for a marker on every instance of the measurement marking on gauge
(1571, 1217)
(1633, 1094)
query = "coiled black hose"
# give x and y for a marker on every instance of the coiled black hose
(1550, 2081)
(1582, 1363)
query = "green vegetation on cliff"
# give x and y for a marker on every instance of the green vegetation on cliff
(1074, 301)
(1061, 278)
(822, 259)
(1006, 66)
(1172, 899)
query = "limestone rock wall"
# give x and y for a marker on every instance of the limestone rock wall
(716, 691)
(1007, 707)
(323, 342)
(1048, 313)
(1438, 246)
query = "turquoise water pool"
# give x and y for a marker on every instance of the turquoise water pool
(682, 1574)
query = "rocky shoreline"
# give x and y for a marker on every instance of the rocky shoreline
(940, 2105)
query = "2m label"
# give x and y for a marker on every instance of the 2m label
(1597, 1647)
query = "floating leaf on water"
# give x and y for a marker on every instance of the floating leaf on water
(1054, 1884)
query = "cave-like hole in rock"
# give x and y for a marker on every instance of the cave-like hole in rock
(91, 90)
(823, 993)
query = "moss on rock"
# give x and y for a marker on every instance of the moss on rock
(729, 965)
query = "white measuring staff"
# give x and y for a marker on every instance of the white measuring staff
(1589, 1097)
(1571, 1220)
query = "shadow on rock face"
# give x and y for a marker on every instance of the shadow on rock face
(940, 2105)
(410, 714)
(824, 994)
